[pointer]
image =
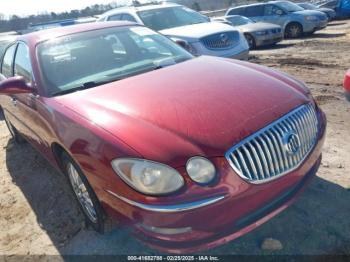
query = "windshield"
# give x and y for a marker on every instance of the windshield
(164, 18)
(308, 6)
(92, 58)
(289, 7)
(239, 20)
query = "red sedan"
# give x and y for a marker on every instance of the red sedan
(347, 84)
(191, 152)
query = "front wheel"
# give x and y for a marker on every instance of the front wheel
(251, 41)
(347, 95)
(293, 30)
(85, 195)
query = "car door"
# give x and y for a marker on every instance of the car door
(30, 108)
(7, 102)
(255, 12)
(274, 14)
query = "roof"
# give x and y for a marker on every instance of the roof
(32, 39)
(139, 8)
(243, 6)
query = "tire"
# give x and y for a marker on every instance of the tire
(293, 30)
(13, 131)
(347, 95)
(251, 41)
(85, 195)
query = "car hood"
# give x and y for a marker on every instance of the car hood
(324, 9)
(197, 31)
(257, 27)
(199, 107)
(311, 12)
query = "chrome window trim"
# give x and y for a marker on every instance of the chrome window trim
(170, 208)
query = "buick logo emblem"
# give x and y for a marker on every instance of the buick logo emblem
(291, 142)
(224, 38)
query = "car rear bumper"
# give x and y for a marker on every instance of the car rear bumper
(232, 209)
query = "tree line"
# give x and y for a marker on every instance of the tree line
(17, 23)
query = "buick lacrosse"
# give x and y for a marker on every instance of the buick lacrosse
(190, 152)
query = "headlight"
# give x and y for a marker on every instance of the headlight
(148, 177)
(311, 18)
(201, 170)
(185, 44)
(261, 32)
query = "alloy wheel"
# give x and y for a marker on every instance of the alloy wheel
(294, 31)
(82, 193)
(251, 41)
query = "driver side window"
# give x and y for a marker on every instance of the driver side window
(273, 10)
(22, 63)
(7, 63)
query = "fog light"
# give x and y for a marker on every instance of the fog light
(167, 231)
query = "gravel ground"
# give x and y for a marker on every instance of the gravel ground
(38, 214)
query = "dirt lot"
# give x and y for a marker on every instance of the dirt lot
(38, 214)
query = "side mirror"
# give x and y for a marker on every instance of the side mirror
(15, 85)
(180, 42)
(279, 12)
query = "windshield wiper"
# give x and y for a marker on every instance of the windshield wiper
(83, 86)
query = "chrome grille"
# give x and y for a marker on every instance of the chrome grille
(267, 154)
(221, 40)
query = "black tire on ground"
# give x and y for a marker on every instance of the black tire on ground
(13, 131)
(251, 41)
(347, 96)
(95, 220)
(293, 30)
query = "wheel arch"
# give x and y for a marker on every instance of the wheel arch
(294, 22)
(57, 151)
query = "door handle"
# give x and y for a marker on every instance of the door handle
(14, 101)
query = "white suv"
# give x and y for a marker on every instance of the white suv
(188, 28)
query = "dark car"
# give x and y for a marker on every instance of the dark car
(257, 34)
(191, 152)
(331, 14)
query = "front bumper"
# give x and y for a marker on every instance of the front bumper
(310, 27)
(240, 51)
(241, 56)
(237, 208)
(268, 39)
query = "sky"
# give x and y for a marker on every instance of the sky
(27, 7)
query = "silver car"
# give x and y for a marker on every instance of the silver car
(331, 14)
(257, 34)
(188, 28)
(294, 20)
